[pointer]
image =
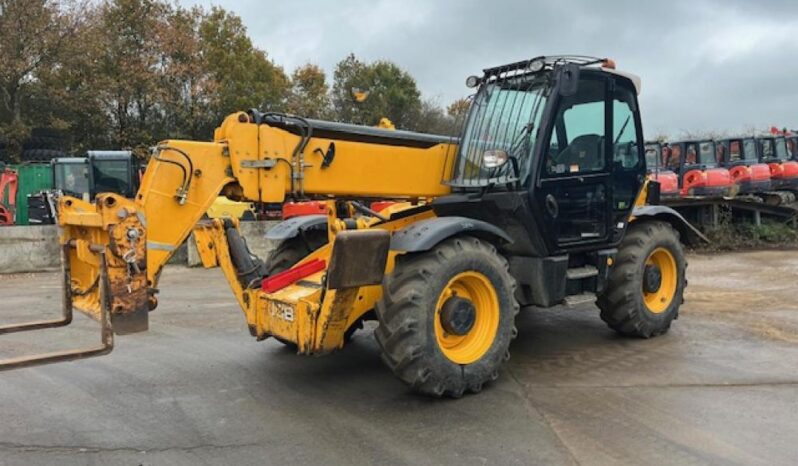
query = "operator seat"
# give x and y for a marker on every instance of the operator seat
(584, 153)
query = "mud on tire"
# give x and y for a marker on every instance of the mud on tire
(622, 304)
(406, 314)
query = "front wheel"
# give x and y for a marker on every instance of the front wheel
(646, 283)
(447, 317)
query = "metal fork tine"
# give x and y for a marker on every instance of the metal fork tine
(106, 331)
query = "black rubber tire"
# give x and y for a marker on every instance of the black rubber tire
(406, 332)
(44, 142)
(292, 250)
(41, 155)
(622, 306)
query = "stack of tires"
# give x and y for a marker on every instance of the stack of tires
(45, 144)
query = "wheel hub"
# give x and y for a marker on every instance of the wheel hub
(457, 316)
(652, 278)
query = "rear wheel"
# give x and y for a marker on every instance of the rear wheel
(447, 317)
(647, 281)
(292, 250)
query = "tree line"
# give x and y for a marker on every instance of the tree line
(127, 73)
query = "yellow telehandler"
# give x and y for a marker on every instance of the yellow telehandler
(538, 202)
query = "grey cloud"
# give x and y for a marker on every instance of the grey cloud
(705, 64)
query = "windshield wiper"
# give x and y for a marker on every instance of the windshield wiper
(623, 128)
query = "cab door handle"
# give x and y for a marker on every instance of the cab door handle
(551, 206)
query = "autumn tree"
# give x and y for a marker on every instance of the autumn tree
(34, 33)
(129, 68)
(392, 93)
(458, 109)
(309, 94)
(241, 75)
(350, 74)
(431, 118)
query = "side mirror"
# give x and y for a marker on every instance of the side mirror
(568, 77)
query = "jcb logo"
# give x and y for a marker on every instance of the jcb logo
(283, 311)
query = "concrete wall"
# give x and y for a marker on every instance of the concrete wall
(35, 248)
(29, 248)
(253, 232)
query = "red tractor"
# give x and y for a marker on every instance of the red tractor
(655, 161)
(740, 157)
(699, 172)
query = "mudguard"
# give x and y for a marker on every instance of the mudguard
(425, 234)
(689, 233)
(292, 227)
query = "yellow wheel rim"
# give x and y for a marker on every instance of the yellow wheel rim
(658, 301)
(470, 347)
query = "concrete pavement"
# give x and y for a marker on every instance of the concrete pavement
(721, 387)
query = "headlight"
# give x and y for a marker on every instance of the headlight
(536, 65)
(472, 81)
(494, 158)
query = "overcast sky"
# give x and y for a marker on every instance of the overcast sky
(706, 65)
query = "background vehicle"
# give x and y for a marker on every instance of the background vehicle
(113, 172)
(699, 172)
(84, 178)
(739, 156)
(668, 181)
(8, 195)
(783, 170)
(501, 217)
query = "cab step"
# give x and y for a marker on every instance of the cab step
(578, 299)
(578, 273)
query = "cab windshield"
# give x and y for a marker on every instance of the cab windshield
(502, 124)
(701, 153)
(707, 155)
(72, 178)
(112, 176)
(768, 149)
(749, 150)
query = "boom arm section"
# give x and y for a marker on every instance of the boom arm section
(253, 157)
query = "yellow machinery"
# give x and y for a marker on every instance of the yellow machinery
(525, 208)
(225, 208)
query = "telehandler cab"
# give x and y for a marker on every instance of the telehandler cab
(529, 206)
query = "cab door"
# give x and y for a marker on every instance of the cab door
(589, 178)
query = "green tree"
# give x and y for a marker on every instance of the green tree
(128, 71)
(433, 119)
(350, 74)
(241, 76)
(34, 34)
(187, 81)
(392, 93)
(309, 95)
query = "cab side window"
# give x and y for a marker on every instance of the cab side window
(624, 130)
(676, 157)
(735, 154)
(577, 142)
